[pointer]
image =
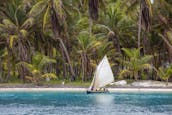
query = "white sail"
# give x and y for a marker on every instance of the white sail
(103, 74)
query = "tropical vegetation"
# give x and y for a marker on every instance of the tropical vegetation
(66, 39)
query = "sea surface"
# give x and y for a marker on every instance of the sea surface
(74, 103)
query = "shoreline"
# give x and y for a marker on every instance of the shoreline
(84, 90)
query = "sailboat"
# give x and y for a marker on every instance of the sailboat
(102, 77)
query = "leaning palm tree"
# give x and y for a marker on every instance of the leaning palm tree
(135, 64)
(53, 12)
(164, 23)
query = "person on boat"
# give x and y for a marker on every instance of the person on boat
(102, 89)
(91, 88)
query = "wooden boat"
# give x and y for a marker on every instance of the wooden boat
(97, 91)
(102, 77)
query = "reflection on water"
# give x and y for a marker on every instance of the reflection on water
(104, 99)
(73, 103)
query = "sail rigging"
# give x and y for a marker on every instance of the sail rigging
(103, 75)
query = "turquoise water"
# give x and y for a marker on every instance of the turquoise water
(67, 103)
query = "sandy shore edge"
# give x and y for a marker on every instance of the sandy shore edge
(84, 89)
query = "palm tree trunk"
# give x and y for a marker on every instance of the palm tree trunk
(167, 82)
(64, 64)
(115, 39)
(67, 57)
(90, 26)
(23, 56)
(139, 25)
(136, 76)
(170, 55)
(1, 80)
(56, 28)
(146, 43)
(50, 54)
(83, 66)
(89, 68)
(9, 69)
(169, 46)
(57, 67)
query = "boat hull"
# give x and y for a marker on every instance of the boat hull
(90, 91)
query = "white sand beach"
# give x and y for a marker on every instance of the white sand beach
(119, 86)
(84, 89)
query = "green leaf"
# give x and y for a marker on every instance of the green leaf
(125, 72)
(58, 8)
(8, 24)
(169, 35)
(28, 23)
(36, 72)
(50, 75)
(30, 67)
(24, 33)
(45, 60)
(128, 52)
(12, 38)
(38, 8)
(46, 17)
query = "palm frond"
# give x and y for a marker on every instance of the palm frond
(24, 33)
(145, 59)
(125, 72)
(30, 67)
(38, 8)
(46, 18)
(12, 39)
(146, 66)
(45, 60)
(28, 23)
(128, 52)
(8, 24)
(50, 75)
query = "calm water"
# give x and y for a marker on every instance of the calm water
(67, 103)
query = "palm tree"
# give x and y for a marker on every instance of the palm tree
(164, 73)
(160, 45)
(37, 68)
(15, 26)
(167, 39)
(53, 11)
(135, 64)
(163, 29)
(87, 44)
(117, 27)
(145, 13)
(59, 28)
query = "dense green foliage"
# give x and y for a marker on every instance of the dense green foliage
(65, 39)
(164, 73)
(135, 64)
